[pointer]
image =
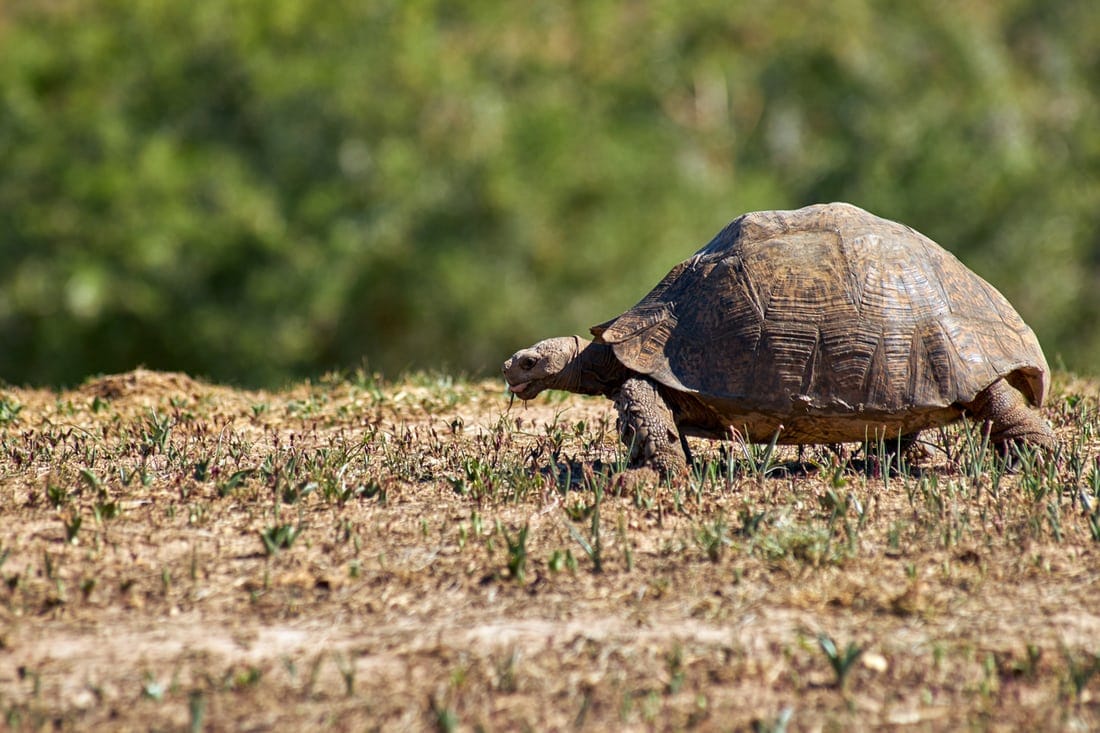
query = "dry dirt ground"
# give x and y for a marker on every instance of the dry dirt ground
(358, 555)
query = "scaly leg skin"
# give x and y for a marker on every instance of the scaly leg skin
(648, 429)
(913, 451)
(1010, 419)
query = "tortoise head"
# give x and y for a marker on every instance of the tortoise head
(549, 364)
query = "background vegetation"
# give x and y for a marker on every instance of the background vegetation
(253, 190)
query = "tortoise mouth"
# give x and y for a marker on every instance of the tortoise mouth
(520, 388)
(525, 390)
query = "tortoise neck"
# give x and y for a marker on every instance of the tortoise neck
(594, 370)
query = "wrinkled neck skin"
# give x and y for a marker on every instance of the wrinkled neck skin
(593, 370)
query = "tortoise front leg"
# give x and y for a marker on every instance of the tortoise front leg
(648, 429)
(1010, 418)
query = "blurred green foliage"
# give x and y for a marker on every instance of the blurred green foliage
(253, 190)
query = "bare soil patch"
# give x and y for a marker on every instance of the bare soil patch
(358, 554)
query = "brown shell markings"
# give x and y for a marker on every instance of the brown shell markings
(827, 311)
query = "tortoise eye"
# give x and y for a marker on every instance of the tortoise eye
(528, 362)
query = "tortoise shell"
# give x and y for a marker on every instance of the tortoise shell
(824, 321)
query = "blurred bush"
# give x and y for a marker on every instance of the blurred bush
(253, 190)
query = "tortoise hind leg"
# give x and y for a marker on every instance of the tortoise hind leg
(1009, 418)
(884, 452)
(648, 429)
(903, 448)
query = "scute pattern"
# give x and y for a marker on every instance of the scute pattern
(829, 310)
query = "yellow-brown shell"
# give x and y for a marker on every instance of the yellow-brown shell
(827, 310)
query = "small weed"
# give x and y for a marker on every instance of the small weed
(347, 673)
(158, 428)
(713, 538)
(34, 676)
(812, 545)
(580, 511)
(151, 688)
(196, 513)
(196, 707)
(972, 457)
(314, 673)
(106, 510)
(294, 493)
(562, 560)
(624, 542)
(759, 457)
(841, 662)
(593, 549)
(9, 410)
(279, 537)
(225, 488)
(1094, 522)
(517, 554)
(48, 566)
(506, 668)
(990, 682)
(93, 482)
(674, 662)
(72, 527)
(238, 679)
(778, 724)
(56, 495)
(1011, 666)
(750, 521)
(643, 497)
(480, 480)
(593, 545)
(374, 490)
(1080, 669)
(446, 720)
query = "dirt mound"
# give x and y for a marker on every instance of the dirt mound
(144, 383)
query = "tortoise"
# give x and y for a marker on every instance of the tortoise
(825, 324)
